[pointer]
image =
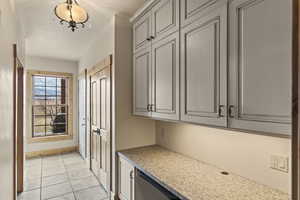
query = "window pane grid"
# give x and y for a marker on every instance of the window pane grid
(49, 110)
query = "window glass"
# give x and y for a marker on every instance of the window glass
(49, 106)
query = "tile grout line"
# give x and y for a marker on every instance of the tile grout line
(68, 180)
(42, 159)
(73, 191)
(60, 157)
(67, 173)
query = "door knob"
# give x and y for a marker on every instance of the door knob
(97, 131)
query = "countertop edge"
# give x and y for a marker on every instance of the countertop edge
(170, 189)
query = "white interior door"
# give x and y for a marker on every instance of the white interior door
(100, 126)
(82, 117)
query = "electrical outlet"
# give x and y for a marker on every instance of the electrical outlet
(280, 163)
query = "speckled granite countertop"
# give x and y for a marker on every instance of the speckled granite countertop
(196, 180)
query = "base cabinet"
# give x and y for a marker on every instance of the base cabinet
(126, 180)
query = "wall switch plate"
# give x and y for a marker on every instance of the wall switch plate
(280, 163)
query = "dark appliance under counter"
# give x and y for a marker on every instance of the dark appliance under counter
(146, 188)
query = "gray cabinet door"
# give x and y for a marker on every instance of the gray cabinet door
(165, 18)
(260, 65)
(203, 69)
(194, 9)
(142, 32)
(125, 180)
(165, 77)
(142, 82)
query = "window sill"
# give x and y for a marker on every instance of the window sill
(49, 138)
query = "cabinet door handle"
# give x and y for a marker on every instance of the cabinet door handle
(131, 174)
(152, 107)
(149, 39)
(148, 107)
(152, 37)
(131, 185)
(231, 111)
(221, 107)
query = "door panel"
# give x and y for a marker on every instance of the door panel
(192, 10)
(142, 32)
(82, 117)
(94, 126)
(126, 180)
(165, 18)
(100, 113)
(165, 70)
(204, 75)
(104, 127)
(260, 72)
(142, 81)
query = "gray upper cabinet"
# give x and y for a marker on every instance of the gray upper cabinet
(192, 10)
(158, 22)
(260, 65)
(142, 32)
(156, 66)
(165, 18)
(165, 78)
(142, 82)
(204, 69)
(223, 63)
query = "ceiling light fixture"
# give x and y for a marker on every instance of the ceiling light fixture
(72, 13)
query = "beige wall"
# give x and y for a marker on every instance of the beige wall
(54, 65)
(100, 48)
(7, 39)
(242, 153)
(130, 131)
(116, 39)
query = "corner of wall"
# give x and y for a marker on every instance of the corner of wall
(131, 131)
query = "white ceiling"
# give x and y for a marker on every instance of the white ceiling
(46, 37)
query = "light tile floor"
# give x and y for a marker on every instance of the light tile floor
(60, 177)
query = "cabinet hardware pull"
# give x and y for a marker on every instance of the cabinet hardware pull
(148, 108)
(230, 111)
(149, 39)
(152, 37)
(152, 107)
(131, 174)
(221, 110)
